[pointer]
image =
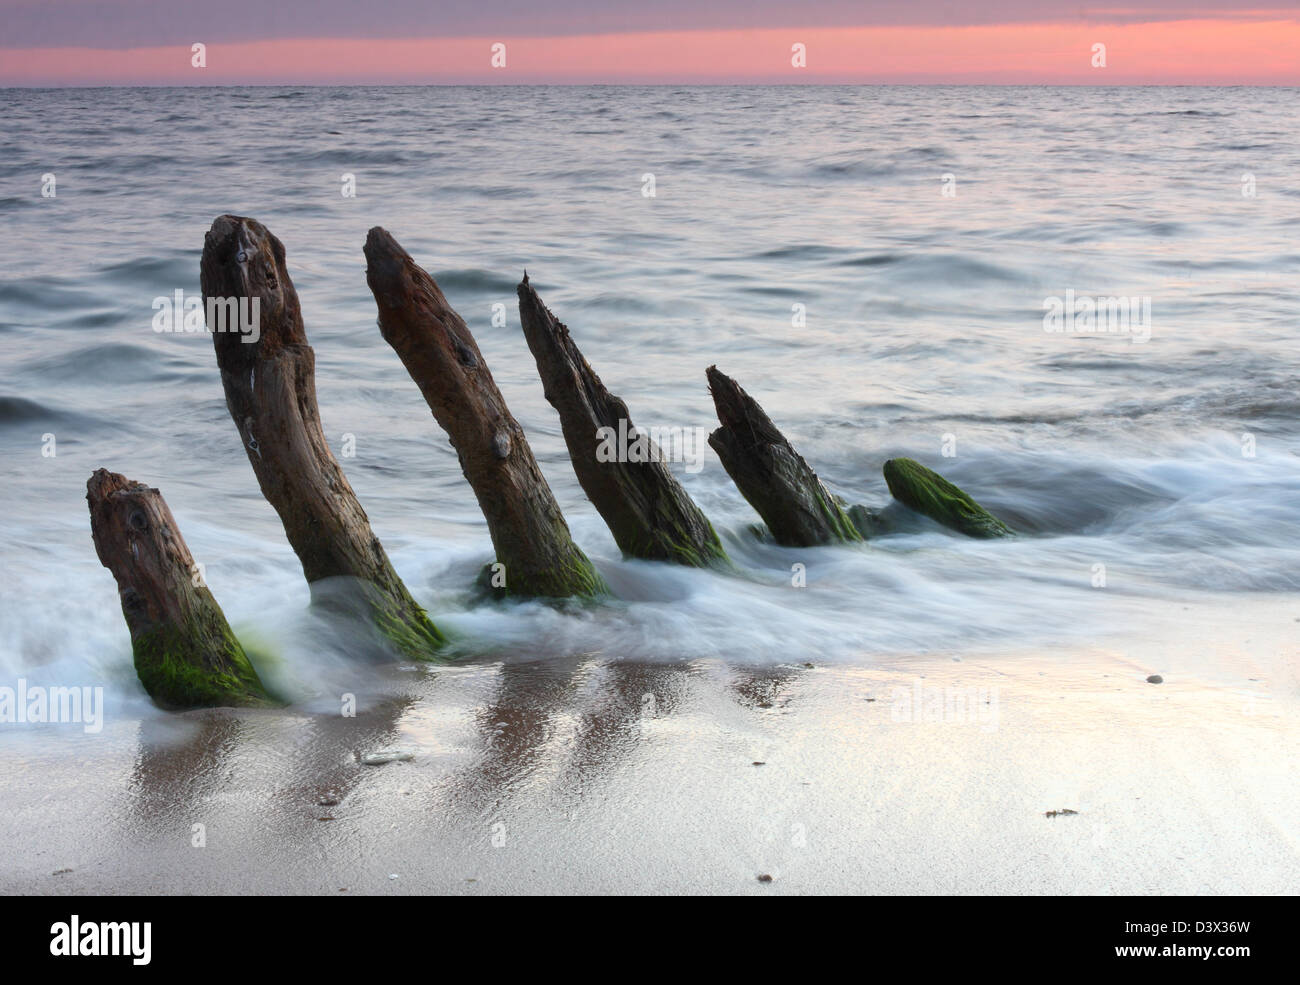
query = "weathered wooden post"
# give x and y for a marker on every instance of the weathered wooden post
(528, 531)
(929, 493)
(779, 484)
(269, 374)
(185, 653)
(645, 507)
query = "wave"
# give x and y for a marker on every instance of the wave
(113, 362)
(20, 410)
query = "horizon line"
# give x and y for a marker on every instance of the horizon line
(656, 85)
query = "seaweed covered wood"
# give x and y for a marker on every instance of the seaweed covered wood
(185, 653)
(528, 531)
(779, 484)
(643, 504)
(927, 492)
(269, 376)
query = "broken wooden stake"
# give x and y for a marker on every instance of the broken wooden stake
(269, 374)
(185, 653)
(531, 539)
(645, 507)
(779, 484)
(929, 493)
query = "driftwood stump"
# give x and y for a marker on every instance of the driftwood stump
(645, 507)
(929, 493)
(779, 484)
(185, 653)
(270, 389)
(531, 539)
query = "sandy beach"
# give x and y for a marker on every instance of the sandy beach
(593, 775)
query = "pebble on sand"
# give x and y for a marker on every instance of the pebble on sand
(1155, 679)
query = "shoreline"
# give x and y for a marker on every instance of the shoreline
(600, 776)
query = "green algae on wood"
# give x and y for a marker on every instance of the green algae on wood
(186, 655)
(645, 507)
(798, 509)
(166, 665)
(531, 540)
(403, 623)
(269, 377)
(868, 522)
(929, 493)
(578, 582)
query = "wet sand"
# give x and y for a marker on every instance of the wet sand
(592, 775)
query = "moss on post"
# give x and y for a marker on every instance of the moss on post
(645, 507)
(268, 372)
(404, 624)
(185, 652)
(164, 661)
(868, 522)
(798, 509)
(528, 531)
(927, 492)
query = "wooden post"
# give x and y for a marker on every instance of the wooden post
(185, 653)
(645, 507)
(927, 492)
(531, 539)
(779, 484)
(269, 374)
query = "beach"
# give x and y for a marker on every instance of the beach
(595, 775)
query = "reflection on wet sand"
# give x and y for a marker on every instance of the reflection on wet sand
(626, 696)
(304, 765)
(761, 688)
(331, 749)
(181, 763)
(491, 741)
(516, 727)
(577, 720)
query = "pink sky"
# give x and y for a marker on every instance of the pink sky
(1231, 49)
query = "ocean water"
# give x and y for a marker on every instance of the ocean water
(1167, 465)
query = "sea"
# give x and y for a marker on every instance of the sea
(1080, 304)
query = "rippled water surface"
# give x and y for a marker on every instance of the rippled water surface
(924, 333)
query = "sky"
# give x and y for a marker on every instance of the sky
(323, 42)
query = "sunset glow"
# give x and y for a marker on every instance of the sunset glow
(1236, 50)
